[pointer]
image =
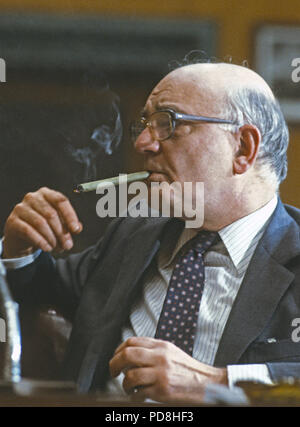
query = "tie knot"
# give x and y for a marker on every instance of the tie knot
(204, 240)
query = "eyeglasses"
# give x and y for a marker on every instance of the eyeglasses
(162, 123)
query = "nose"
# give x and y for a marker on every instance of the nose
(145, 143)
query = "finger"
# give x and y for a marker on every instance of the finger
(138, 378)
(29, 234)
(63, 237)
(37, 222)
(66, 210)
(145, 342)
(130, 358)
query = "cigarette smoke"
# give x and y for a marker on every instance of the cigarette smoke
(106, 137)
(104, 140)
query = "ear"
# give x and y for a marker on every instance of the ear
(248, 143)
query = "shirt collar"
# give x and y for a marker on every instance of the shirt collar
(242, 236)
(172, 244)
(236, 237)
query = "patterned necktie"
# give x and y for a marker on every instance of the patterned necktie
(178, 319)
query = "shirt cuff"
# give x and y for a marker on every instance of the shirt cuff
(15, 263)
(253, 372)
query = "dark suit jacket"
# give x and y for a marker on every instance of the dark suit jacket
(98, 286)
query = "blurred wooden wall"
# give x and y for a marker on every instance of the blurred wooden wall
(237, 21)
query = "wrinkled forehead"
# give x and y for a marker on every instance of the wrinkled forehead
(185, 92)
(204, 87)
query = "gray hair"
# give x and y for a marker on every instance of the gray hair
(250, 106)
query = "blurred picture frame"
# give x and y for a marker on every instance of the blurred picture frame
(277, 59)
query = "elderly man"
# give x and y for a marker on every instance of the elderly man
(161, 309)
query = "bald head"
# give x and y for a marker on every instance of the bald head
(221, 78)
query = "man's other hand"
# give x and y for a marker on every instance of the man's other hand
(161, 371)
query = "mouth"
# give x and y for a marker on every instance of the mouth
(156, 176)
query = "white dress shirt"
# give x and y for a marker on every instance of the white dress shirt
(225, 266)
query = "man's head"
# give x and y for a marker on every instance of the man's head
(241, 165)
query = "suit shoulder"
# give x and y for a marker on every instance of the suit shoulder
(293, 212)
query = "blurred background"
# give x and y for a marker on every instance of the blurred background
(78, 72)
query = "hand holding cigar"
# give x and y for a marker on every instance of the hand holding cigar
(45, 220)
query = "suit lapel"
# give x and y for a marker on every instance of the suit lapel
(264, 284)
(138, 254)
(139, 251)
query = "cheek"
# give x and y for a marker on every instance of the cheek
(182, 161)
(214, 155)
(199, 158)
(195, 159)
(205, 165)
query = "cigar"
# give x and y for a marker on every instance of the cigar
(109, 182)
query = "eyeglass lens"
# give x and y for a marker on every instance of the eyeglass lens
(160, 125)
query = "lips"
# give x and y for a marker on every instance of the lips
(157, 179)
(156, 175)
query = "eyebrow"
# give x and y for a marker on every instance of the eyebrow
(158, 107)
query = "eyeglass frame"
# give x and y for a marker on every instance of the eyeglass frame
(183, 117)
